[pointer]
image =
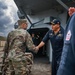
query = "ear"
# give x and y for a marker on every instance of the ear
(22, 25)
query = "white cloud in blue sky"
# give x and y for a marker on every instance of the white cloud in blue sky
(8, 16)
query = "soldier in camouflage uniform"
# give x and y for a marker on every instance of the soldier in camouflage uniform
(15, 46)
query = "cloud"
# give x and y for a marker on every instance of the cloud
(8, 16)
(3, 5)
(1, 34)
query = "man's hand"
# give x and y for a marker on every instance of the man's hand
(36, 49)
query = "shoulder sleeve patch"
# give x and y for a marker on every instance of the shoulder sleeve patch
(68, 36)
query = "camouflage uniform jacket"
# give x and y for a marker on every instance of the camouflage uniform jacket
(17, 40)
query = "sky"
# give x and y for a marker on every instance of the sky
(8, 16)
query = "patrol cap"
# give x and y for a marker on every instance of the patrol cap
(22, 21)
(55, 21)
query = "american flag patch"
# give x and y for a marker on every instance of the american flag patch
(68, 36)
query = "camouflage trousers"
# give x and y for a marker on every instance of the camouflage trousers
(20, 65)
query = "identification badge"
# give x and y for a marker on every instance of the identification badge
(59, 34)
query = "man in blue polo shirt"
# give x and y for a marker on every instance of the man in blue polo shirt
(67, 64)
(56, 37)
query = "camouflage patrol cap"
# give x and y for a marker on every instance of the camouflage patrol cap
(22, 21)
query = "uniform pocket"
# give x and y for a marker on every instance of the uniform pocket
(65, 52)
(67, 42)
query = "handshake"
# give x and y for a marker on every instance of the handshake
(36, 49)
